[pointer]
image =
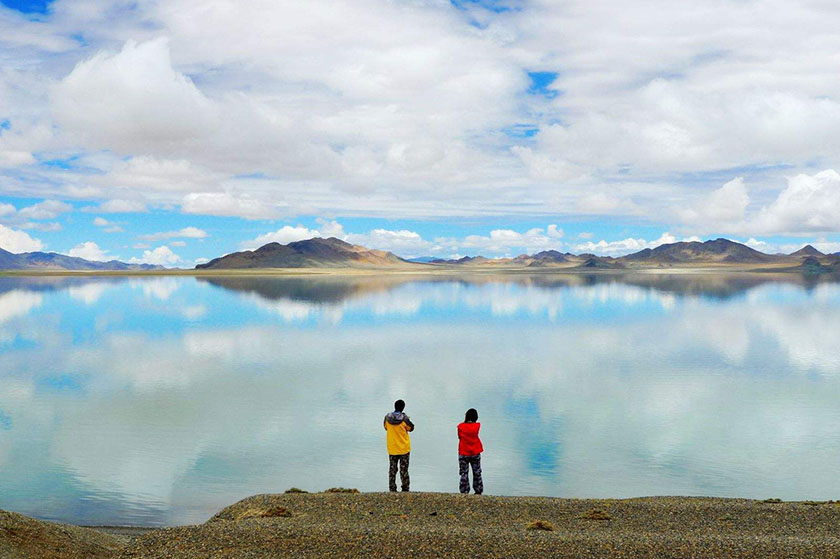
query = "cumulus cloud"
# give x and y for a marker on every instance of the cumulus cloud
(108, 226)
(402, 242)
(626, 246)
(48, 209)
(810, 203)
(17, 241)
(186, 232)
(132, 100)
(723, 208)
(285, 235)
(160, 256)
(90, 251)
(502, 241)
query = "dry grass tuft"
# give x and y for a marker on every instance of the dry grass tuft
(259, 512)
(543, 525)
(341, 490)
(595, 514)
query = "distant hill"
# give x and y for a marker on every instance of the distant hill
(48, 261)
(721, 251)
(544, 259)
(807, 250)
(311, 253)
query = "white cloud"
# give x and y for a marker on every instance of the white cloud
(132, 100)
(90, 251)
(626, 246)
(412, 110)
(723, 210)
(186, 232)
(285, 235)
(410, 244)
(403, 242)
(7, 209)
(545, 166)
(810, 203)
(15, 158)
(108, 226)
(89, 293)
(16, 241)
(226, 204)
(18, 303)
(48, 209)
(161, 256)
(502, 241)
(119, 206)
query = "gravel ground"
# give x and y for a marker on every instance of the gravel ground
(381, 525)
(22, 537)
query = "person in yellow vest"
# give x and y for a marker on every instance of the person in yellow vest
(397, 427)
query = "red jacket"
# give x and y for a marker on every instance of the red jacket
(468, 442)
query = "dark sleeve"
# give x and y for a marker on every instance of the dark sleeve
(384, 423)
(409, 423)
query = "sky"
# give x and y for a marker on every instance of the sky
(174, 132)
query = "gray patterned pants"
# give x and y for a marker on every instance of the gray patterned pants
(402, 460)
(464, 463)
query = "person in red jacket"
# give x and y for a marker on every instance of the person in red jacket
(469, 452)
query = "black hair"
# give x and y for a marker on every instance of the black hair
(399, 405)
(471, 416)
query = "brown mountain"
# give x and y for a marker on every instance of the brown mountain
(311, 253)
(807, 250)
(721, 251)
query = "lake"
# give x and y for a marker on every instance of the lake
(160, 400)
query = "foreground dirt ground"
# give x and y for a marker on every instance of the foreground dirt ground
(444, 525)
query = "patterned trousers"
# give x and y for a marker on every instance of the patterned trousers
(402, 460)
(464, 463)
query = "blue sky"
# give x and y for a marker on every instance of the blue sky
(28, 6)
(425, 128)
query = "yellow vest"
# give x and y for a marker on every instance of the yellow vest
(398, 441)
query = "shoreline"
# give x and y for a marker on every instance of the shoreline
(427, 270)
(383, 525)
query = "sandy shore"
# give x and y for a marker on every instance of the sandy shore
(383, 525)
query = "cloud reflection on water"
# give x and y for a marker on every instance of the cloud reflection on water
(586, 387)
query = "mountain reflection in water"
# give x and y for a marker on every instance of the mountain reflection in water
(159, 400)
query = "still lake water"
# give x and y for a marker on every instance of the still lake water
(161, 400)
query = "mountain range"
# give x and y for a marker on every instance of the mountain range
(48, 261)
(334, 253)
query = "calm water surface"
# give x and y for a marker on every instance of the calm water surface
(161, 400)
